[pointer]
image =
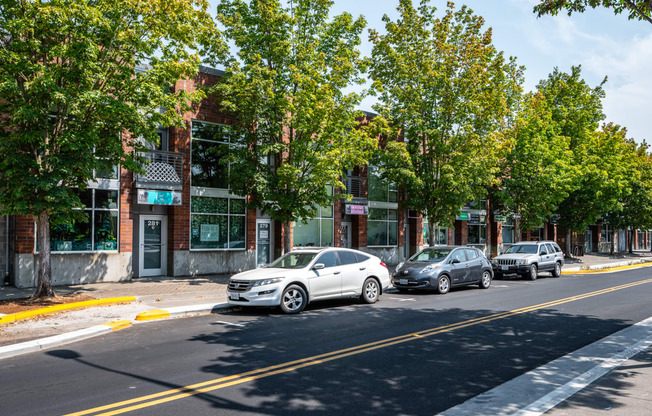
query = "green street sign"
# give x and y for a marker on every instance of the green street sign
(464, 216)
(500, 218)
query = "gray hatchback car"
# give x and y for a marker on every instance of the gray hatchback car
(442, 267)
(528, 258)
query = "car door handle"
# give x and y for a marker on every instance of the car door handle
(337, 272)
(363, 268)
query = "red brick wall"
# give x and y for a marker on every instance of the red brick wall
(25, 229)
(126, 211)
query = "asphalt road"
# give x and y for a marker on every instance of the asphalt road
(409, 354)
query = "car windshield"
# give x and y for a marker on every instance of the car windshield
(293, 261)
(432, 255)
(522, 248)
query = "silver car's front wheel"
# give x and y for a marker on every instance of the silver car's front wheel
(443, 285)
(294, 299)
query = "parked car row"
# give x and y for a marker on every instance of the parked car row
(303, 276)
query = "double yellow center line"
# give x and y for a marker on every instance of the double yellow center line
(223, 382)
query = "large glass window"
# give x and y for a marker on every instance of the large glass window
(100, 233)
(382, 227)
(217, 223)
(508, 231)
(316, 231)
(441, 234)
(606, 233)
(209, 154)
(641, 240)
(477, 234)
(379, 189)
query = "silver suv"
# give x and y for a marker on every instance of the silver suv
(528, 258)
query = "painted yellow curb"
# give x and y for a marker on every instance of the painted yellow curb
(117, 325)
(64, 307)
(153, 314)
(610, 269)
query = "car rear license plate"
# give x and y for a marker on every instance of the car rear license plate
(504, 267)
(403, 281)
(234, 296)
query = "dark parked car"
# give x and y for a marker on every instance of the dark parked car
(442, 267)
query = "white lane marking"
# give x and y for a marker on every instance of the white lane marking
(404, 299)
(541, 389)
(231, 324)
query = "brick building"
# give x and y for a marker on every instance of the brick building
(179, 218)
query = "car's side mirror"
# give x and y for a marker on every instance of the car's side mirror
(455, 261)
(318, 266)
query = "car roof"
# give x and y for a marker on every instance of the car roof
(533, 243)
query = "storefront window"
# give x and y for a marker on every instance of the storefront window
(508, 231)
(606, 234)
(441, 234)
(217, 223)
(382, 227)
(315, 232)
(379, 189)
(209, 155)
(641, 240)
(99, 233)
(477, 234)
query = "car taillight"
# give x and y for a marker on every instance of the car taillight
(383, 264)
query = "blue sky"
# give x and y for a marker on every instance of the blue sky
(603, 43)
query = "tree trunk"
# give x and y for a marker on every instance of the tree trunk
(517, 229)
(44, 287)
(631, 241)
(431, 230)
(613, 243)
(569, 243)
(287, 241)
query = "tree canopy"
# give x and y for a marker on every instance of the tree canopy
(635, 9)
(447, 93)
(74, 100)
(295, 127)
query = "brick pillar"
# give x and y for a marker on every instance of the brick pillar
(25, 238)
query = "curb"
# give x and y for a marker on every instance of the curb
(610, 268)
(12, 317)
(179, 311)
(9, 351)
(57, 340)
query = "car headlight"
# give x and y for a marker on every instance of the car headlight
(429, 268)
(267, 281)
(399, 266)
(522, 261)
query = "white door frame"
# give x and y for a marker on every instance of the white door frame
(271, 239)
(162, 271)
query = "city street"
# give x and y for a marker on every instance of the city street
(408, 354)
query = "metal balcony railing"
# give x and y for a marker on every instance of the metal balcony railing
(165, 171)
(357, 187)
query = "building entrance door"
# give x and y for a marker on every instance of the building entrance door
(263, 242)
(152, 256)
(345, 238)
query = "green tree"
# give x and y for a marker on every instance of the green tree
(537, 171)
(70, 90)
(635, 9)
(447, 93)
(295, 128)
(635, 208)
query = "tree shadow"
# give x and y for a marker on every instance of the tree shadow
(426, 375)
